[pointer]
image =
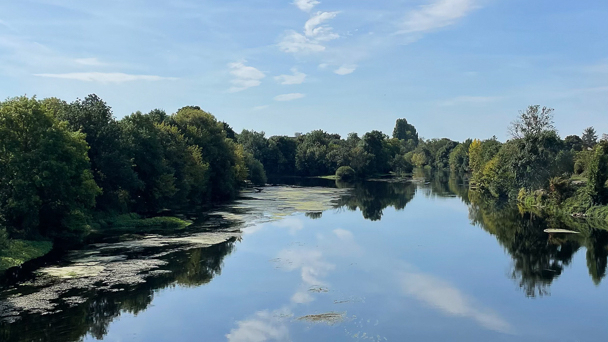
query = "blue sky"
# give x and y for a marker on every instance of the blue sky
(453, 68)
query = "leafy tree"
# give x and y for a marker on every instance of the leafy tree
(459, 157)
(442, 156)
(282, 156)
(256, 144)
(532, 121)
(225, 158)
(256, 173)
(345, 173)
(598, 174)
(148, 155)
(574, 143)
(46, 186)
(311, 154)
(589, 137)
(405, 131)
(374, 143)
(111, 166)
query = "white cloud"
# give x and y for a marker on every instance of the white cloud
(289, 97)
(105, 77)
(296, 78)
(314, 29)
(260, 107)
(323, 65)
(245, 76)
(294, 42)
(345, 69)
(436, 15)
(263, 326)
(306, 5)
(443, 296)
(315, 33)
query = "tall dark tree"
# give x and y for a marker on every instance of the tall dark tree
(405, 131)
(110, 163)
(589, 137)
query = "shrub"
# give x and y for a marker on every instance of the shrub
(345, 173)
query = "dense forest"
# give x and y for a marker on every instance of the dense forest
(68, 168)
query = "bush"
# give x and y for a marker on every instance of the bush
(345, 173)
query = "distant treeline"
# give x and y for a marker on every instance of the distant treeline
(63, 163)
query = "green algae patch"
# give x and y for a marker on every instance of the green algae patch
(19, 251)
(134, 223)
(329, 318)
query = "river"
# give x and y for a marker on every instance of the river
(381, 261)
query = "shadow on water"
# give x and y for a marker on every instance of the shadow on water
(92, 311)
(538, 258)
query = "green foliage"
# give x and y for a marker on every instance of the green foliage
(345, 173)
(459, 157)
(574, 143)
(110, 163)
(589, 137)
(225, 158)
(256, 173)
(407, 132)
(16, 252)
(137, 224)
(532, 122)
(598, 175)
(46, 186)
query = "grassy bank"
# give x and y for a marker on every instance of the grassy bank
(16, 252)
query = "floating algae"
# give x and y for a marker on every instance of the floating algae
(329, 318)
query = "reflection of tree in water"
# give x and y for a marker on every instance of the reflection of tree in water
(373, 197)
(538, 257)
(192, 267)
(314, 215)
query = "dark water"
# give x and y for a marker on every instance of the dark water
(423, 261)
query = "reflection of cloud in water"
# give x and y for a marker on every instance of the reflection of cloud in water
(263, 326)
(292, 223)
(450, 300)
(312, 267)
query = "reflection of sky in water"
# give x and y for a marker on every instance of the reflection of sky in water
(414, 275)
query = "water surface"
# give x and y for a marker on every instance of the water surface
(422, 261)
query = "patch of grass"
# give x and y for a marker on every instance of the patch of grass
(135, 223)
(331, 177)
(17, 252)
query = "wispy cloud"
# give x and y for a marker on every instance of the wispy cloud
(306, 5)
(443, 296)
(436, 15)
(296, 78)
(314, 35)
(314, 28)
(245, 76)
(105, 77)
(345, 69)
(89, 62)
(260, 107)
(294, 42)
(470, 100)
(289, 97)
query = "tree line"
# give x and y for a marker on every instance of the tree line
(61, 164)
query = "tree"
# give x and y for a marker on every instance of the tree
(574, 143)
(589, 137)
(375, 144)
(110, 163)
(225, 158)
(46, 185)
(405, 131)
(532, 121)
